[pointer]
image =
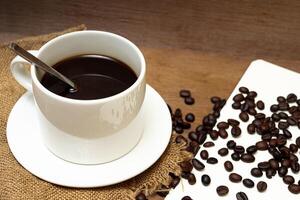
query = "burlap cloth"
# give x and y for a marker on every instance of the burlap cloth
(17, 183)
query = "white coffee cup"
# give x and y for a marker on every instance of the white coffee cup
(87, 131)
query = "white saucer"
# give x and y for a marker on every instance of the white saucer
(26, 145)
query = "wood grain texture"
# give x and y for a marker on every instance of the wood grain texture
(202, 45)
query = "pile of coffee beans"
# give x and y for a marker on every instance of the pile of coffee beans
(275, 138)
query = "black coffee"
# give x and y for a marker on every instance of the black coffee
(95, 76)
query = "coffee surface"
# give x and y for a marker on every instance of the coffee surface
(95, 76)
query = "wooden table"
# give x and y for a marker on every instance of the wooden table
(204, 46)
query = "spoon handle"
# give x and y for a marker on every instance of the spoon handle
(33, 60)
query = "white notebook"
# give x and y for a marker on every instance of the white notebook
(269, 81)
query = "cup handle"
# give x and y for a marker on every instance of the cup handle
(21, 72)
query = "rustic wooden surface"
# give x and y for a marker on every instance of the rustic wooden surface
(204, 45)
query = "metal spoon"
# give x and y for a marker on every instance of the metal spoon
(37, 62)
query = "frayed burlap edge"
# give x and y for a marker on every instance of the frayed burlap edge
(17, 183)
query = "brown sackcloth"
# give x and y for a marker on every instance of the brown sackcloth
(17, 183)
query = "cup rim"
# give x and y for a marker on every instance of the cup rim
(139, 80)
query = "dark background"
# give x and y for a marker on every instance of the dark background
(268, 28)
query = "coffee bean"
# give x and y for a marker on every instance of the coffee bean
(204, 154)
(235, 178)
(286, 163)
(283, 125)
(223, 151)
(295, 189)
(198, 165)
(192, 179)
(199, 128)
(245, 107)
(236, 105)
(274, 108)
(208, 144)
(186, 166)
(260, 105)
(233, 122)
(205, 179)
(223, 133)
(283, 115)
(270, 173)
(294, 158)
(241, 196)
(248, 183)
(236, 131)
(283, 106)
(273, 142)
(186, 125)
(252, 111)
(228, 166)
(281, 141)
(212, 160)
(260, 116)
(174, 182)
(222, 125)
(231, 144)
(251, 149)
(190, 117)
(296, 115)
(291, 121)
(222, 190)
(251, 128)
(235, 156)
(193, 147)
(266, 136)
(295, 167)
(193, 136)
(244, 90)
(287, 179)
(141, 196)
(257, 123)
(252, 95)
(291, 98)
(185, 175)
(247, 158)
(244, 116)
(275, 117)
(189, 100)
(178, 113)
(287, 134)
(201, 137)
(293, 109)
(282, 171)
(178, 129)
(261, 186)
(293, 148)
(186, 198)
(256, 172)
(239, 149)
(298, 142)
(215, 99)
(238, 98)
(261, 145)
(185, 93)
(214, 134)
(281, 99)
(274, 164)
(264, 165)
(181, 139)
